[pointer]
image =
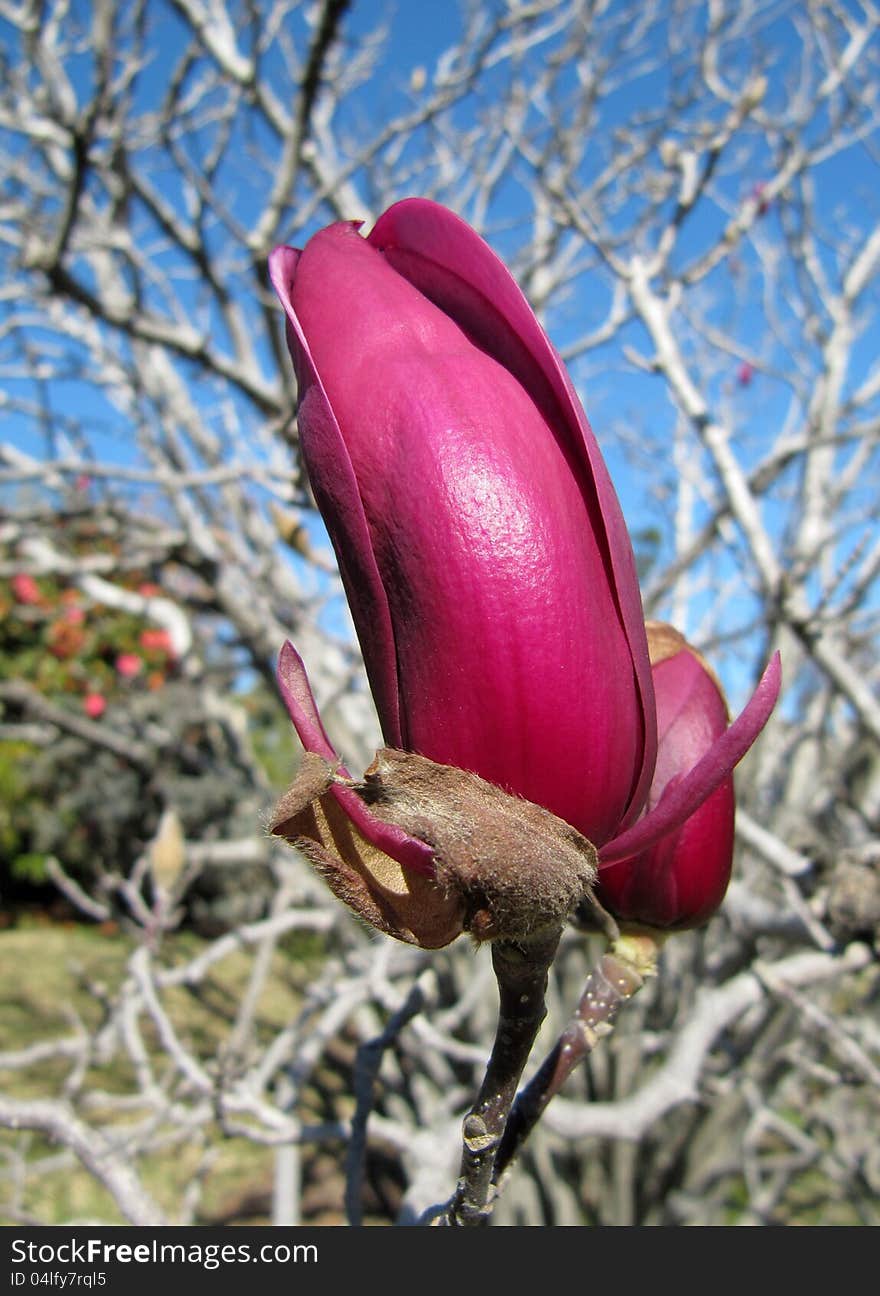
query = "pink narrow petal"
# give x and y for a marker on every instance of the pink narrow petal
(447, 261)
(691, 716)
(336, 490)
(300, 702)
(409, 852)
(695, 787)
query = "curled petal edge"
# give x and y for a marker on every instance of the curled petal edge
(689, 793)
(339, 497)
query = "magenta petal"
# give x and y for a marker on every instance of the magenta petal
(409, 852)
(447, 261)
(338, 496)
(689, 793)
(300, 702)
(507, 653)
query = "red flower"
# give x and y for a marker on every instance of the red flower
(26, 589)
(157, 641)
(680, 880)
(128, 665)
(94, 705)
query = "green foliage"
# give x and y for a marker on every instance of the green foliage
(274, 742)
(95, 812)
(70, 648)
(65, 797)
(12, 757)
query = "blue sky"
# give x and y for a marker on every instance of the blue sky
(616, 395)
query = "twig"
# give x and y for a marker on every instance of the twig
(367, 1063)
(109, 1164)
(618, 975)
(137, 754)
(522, 971)
(677, 1081)
(74, 892)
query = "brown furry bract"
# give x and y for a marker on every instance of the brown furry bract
(505, 869)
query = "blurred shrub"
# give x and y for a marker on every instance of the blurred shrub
(90, 808)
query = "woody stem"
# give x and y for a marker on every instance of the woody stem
(619, 974)
(521, 969)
